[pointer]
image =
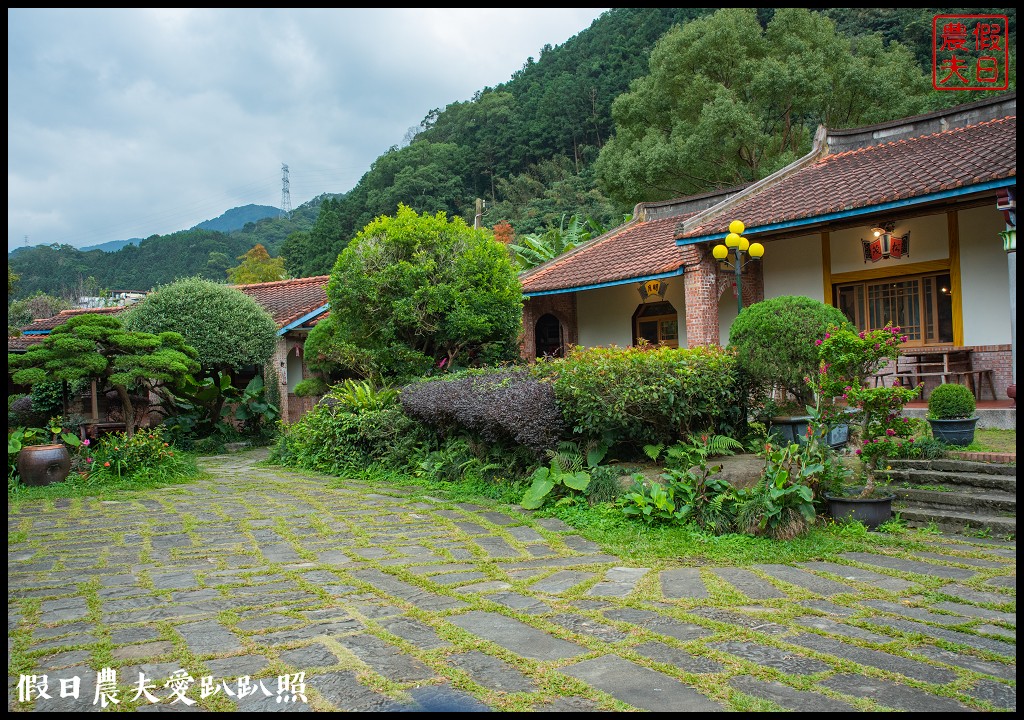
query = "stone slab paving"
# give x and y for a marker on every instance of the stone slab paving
(383, 600)
(641, 687)
(749, 583)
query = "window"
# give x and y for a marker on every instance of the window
(657, 323)
(921, 305)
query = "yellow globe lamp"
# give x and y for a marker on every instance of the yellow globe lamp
(732, 240)
(737, 227)
(755, 250)
(744, 244)
(721, 252)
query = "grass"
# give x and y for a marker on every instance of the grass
(993, 440)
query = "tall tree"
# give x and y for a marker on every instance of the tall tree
(257, 267)
(728, 102)
(414, 292)
(229, 330)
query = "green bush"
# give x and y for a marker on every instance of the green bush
(774, 341)
(311, 387)
(951, 401)
(644, 395)
(335, 439)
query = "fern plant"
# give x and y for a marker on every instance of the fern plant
(362, 395)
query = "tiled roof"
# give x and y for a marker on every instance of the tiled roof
(289, 300)
(634, 250)
(868, 177)
(45, 325)
(21, 343)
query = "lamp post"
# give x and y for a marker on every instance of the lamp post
(739, 246)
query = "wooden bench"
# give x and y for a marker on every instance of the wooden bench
(976, 380)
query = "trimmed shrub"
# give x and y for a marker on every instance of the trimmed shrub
(774, 341)
(508, 406)
(645, 395)
(951, 401)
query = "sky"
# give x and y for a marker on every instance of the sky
(125, 123)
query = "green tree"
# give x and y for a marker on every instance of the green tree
(534, 249)
(414, 292)
(229, 330)
(775, 342)
(40, 305)
(728, 101)
(96, 346)
(257, 267)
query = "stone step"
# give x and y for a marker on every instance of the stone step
(999, 502)
(952, 521)
(964, 482)
(957, 466)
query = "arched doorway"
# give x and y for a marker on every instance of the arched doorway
(657, 323)
(548, 335)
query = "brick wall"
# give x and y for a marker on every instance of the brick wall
(562, 306)
(704, 283)
(998, 358)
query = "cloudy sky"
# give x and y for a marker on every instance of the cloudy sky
(126, 123)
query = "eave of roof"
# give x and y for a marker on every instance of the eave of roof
(875, 176)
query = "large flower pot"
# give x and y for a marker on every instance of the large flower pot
(43, 464)
(793, 429)
(958, 432)
(870, 511)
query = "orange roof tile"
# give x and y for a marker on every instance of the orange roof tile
(868, 177)
(45, 325)
(289, 300)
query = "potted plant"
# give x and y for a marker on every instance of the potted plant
(951, 414)
(848, 360)
(42, 453)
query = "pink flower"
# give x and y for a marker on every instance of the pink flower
(858, 451)
(903, 339)
(444, 361)
(817, 342)
(86, 442)
(890, 432)
(88, 460)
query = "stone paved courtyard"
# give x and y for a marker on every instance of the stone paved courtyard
(268, 589)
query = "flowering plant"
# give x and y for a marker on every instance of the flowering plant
(847, 359)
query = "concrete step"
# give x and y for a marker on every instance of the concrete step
(952, 465)
(951, 521)
(964, 482)
(985, 502)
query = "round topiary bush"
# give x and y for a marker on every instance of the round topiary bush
(951, 401)
(775, 341)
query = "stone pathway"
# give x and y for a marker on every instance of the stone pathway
(266, 589)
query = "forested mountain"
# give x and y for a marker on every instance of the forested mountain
(645, 104)
(239, 217)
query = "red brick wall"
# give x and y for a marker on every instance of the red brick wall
(999, 359)
(704, 284)
(562, 306)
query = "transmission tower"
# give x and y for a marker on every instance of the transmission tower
(286, 197)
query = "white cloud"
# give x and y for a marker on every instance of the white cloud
(132, 122)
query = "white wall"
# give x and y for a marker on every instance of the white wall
(984, 277)
(791, 267)
(294, 370)
(929, 240)
(605, 315)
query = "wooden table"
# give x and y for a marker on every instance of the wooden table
(943, 365)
